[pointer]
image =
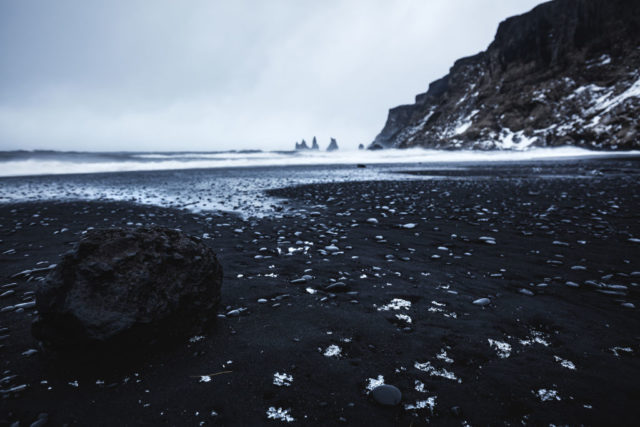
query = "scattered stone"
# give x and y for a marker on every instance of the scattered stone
(337, 287)
(482, 301)
(386, 395)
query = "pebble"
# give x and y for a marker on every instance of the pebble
(487, 240)
(482, 301)
(386, 395)
(337, 287)
(372, 220)
(42, 420)
(7, 293)
(526, 292)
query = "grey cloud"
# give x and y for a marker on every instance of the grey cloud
(164, 75)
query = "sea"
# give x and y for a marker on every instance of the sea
(233, 180)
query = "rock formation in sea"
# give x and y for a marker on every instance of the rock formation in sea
(333, 145)
(314, 144)
(302, 145)
(565, 73)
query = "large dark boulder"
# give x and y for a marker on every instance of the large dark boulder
(126, 288)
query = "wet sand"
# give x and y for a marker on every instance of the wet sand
(392, 270)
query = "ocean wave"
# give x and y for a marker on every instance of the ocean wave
(59, 163)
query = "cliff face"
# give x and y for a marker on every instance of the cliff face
(565, 73)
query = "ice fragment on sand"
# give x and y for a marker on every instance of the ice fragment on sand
(545, 395)
(404, 318)
(396, 304)
(332, 351)
(535, 337)
(565, 363)
(617, 350)
(419, 386)
(422, 404)
(502, 348)
(280, 414)
(443, 356)
(282, 379)
(374, 382)
(431, 370)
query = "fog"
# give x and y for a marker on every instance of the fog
(202, 75)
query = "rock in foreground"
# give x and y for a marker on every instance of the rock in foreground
(122, 287)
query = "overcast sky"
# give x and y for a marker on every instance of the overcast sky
(212, 75)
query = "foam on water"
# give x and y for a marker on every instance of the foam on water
(56, 163)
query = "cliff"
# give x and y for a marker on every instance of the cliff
(565, 73)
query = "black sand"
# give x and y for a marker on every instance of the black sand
(565, 222)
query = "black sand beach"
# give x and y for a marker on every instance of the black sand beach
(392, 272)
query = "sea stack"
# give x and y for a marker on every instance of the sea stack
(333, 145)
(302, 145)
(314, 144)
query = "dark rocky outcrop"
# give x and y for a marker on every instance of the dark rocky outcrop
(565, 73)
(333, 145)
(125, 288)
(302, 145)
(314, 144)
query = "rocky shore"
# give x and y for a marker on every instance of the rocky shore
(487, 294)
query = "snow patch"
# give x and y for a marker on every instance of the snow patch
(374, 382)
(502, 348)
(282, 379)
(434, 372)
(396, 304)
(332, 351)
(280, 414)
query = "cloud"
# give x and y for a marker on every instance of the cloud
(200, 75)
